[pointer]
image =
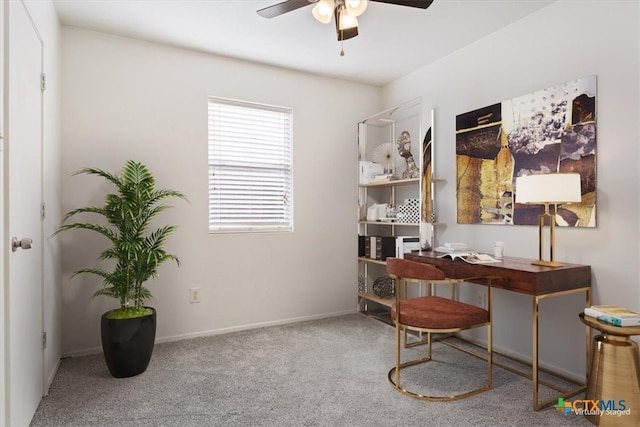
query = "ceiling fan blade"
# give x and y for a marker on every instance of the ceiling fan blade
(284, 7)
(422, 4)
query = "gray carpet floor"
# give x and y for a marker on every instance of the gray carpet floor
(329, 372)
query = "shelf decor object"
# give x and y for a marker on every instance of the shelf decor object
(409, 211)
(384, 155)
(548, 189)
(384, 287)
(404, 149)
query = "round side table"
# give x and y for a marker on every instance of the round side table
(614, 374)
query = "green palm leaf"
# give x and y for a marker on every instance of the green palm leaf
(128, 214)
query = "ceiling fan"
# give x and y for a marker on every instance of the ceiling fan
(345, 12)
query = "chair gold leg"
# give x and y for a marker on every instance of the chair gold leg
(490, 356)
(396, 385)
(398, 353)
(394, 374)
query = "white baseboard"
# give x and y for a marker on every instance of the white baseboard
(52, 375)
(245, 327)
(212, 332)
(527, 358)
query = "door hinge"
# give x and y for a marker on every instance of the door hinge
(43, 82)
(44, 340)
(43, 211)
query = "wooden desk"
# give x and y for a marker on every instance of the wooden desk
(523, 277)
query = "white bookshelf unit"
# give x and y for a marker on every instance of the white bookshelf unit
(406, 190)
(379, 199)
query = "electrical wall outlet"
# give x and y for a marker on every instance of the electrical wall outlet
(194, 295)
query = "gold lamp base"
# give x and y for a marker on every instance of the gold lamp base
(547, 263)
(543, 218)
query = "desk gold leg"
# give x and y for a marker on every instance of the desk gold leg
(587, 337)
(534, 365)
(535, 368)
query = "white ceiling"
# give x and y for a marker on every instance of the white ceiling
(393, 40)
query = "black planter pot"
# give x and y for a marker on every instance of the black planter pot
(127, 344)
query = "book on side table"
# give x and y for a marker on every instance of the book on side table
(613, 315)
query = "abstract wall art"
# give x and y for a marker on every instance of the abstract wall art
(549, 131)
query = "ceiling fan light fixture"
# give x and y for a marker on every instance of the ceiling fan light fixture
(344, 12)
(323, 10)
(355, 7)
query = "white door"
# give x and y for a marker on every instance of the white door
(23, 305)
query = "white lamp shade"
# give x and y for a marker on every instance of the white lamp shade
(323, 11)
(548, 188)
(347, 21)
(356, 7)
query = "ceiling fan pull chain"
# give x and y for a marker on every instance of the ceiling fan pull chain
(342, 44)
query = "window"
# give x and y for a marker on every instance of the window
(250, 167)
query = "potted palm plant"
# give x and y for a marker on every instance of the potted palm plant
(134, 255)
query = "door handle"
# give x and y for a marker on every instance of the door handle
(25, 243)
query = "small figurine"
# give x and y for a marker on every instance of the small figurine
(404, 148)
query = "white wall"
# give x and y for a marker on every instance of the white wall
(126, 99)
(562, 42)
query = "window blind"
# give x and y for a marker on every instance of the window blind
(250, 167)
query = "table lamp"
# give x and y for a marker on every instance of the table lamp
(546, 189)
